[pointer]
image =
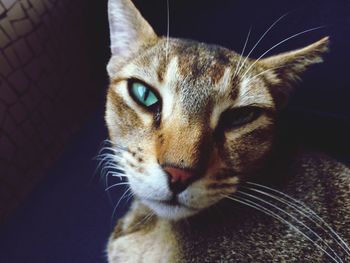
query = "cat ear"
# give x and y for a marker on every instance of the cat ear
(128, 32)
(284, 70)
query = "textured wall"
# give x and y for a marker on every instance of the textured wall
(48, 86)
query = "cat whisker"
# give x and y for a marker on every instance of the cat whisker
(145, 219)
(294, 218)
(300, 206)
(103, 156)
(242, 53)
(107, 177)
(115, 149)
(167, 31)
(107, 157)
(294, 206)
(111, 156)
(115, 171)
(116, 174)
(260, 39)
(269, 212)
(118, 184)
(109, 145)
(105, 142)
(278, 44)
(107, 165)
(130, 195)
(263, 72)
(111, 161)
(110, 165)
(119, 201)
(148, 217)
(104, 160)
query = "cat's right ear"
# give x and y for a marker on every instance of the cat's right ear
(128, 32)
(282, 71)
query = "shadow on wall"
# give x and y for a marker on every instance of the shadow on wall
(52, 63)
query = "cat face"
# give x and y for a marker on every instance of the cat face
(189, 120)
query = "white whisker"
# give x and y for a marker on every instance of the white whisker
(149, 217)
(118, 184)
(110, 157)
(129, 196)
(119, 201)
(145, 219)
(105, 159)
(168, 31)
(109, 166)
(279, 218)
(116, 174)
(307, 209)
(242, 53)
(263, 72)
(260, 39)
(278, 44)
(306, 213)
(117, 149)
(294, 218)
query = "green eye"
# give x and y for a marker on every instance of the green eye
(143, 94)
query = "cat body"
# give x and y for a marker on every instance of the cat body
(232, 232)
(194, 128)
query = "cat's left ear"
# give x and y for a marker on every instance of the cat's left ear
(128, 32)
(283, 70)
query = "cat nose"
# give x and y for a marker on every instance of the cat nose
(179, 179)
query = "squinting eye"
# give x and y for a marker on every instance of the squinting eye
(238, 117)
(143, 94)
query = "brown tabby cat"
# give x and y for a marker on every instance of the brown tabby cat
(194, 128)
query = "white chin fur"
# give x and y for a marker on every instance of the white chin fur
(171, 212)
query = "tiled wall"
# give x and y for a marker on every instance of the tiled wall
(48, 87)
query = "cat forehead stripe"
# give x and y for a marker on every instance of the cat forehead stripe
(167, 91)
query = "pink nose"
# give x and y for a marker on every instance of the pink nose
(179, 179)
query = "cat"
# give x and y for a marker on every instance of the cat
(195, 130)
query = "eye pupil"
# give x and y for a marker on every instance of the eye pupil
(142, 94)
(146, 94)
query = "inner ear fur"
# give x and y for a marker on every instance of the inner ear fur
(129, 31)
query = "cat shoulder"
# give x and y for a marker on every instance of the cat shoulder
(140, 236)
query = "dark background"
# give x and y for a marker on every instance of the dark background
(67, 217)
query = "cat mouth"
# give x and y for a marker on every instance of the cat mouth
(172, 209)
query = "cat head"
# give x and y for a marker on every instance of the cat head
(189, 120)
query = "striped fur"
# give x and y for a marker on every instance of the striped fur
(197, 83)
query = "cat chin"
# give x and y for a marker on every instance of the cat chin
(170, 211)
